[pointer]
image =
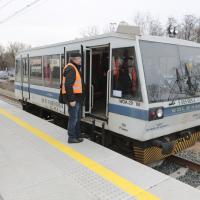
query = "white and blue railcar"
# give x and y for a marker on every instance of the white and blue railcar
(142, 92)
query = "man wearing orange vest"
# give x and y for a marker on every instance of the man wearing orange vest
(72, 91)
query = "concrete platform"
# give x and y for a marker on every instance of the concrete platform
(36, 163)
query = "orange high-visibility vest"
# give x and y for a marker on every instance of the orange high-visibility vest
(77, 86)
(116, 69)
(134, 80)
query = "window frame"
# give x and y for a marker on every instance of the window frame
(59, 55)
(140, 99)
(19, 77)
(178, 46)
(31, 76)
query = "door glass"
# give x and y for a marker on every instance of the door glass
(99, 72)
(125, 77)
(18, 71)
(25, 70)
(62, 63)
(36, 70)
(52, 71)
(69, 53)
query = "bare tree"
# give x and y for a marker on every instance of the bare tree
(110, 28)
(148, 25)
(188, 27)
(90, 31)
(172, 23)
(2, 62)
(197, 30)
(7, 55)
(156, 28)
(142, 20)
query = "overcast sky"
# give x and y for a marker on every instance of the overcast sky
(51, 21)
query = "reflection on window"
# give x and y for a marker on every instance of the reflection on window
(170, 71)
(70, 52)
(36, 70)
(190, 62)
(62, 64)
(25, 70)
(125, 79)
(52, 71)
(18, 71)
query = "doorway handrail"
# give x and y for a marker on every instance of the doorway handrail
(92, 94)
(108, 90)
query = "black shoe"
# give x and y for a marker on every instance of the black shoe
(73, 140)
(80, 139)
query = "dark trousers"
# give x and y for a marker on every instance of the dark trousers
(74, 120)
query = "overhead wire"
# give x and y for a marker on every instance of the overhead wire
(17, 12)
(7, 3)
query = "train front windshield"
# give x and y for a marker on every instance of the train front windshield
(171, 71)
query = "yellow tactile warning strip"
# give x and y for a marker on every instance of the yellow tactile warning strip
(125, 185)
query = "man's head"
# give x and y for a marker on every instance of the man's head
(75, 58)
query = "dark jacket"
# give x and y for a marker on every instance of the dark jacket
(70, 75)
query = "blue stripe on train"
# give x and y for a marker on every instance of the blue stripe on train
(121, 110)
(52, 95)
(124, 110)
(130, 112)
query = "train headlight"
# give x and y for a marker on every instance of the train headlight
(156, 113)
(171, 30)
(159, 112)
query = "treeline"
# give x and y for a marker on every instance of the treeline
(8, 53)
(188, 26)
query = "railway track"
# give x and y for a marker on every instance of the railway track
(185, 163)
(10, 99)
(181, 167)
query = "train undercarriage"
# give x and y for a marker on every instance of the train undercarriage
(144, 152)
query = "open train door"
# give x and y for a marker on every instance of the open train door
(86, 68)
(96, 74)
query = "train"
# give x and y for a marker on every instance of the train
(142, 92)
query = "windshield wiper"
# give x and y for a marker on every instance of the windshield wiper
(192, 87)
(177, 82)
(180, 82)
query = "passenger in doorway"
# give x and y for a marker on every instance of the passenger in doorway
(73, 95)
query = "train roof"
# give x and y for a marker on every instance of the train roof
(123, 33)
(81, 40)
(169, 40)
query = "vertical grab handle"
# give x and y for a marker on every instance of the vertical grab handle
(108, 91)
(92, 94)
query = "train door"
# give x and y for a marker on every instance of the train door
(126, 103)
(25, 78)
(96, 76)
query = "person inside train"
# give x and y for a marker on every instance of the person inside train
(125, 75)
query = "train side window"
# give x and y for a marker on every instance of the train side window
(62, 64)
(52, 71)
(18, 71)
(36, 71)
(125, 78)
(190, 58)
(69, 54)
(161, 63)
(25, 70)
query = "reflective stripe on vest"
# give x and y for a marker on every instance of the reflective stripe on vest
(77, 86)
